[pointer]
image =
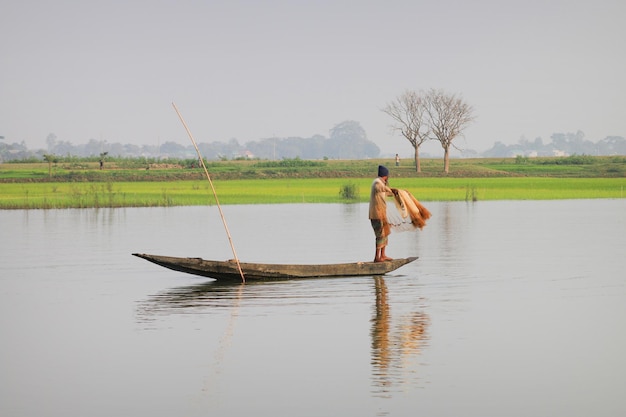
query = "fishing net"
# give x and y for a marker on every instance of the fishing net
(406, 213)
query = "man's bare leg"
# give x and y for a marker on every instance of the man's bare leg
(377, 255)
(384, 257)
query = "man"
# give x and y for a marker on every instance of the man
(378, 212)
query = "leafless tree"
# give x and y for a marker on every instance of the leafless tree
(447, 116)
(408, 113)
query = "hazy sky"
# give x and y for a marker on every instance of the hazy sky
(110, 70)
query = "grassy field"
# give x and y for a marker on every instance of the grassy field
(81, 185)
(121, 169)
(274, 191)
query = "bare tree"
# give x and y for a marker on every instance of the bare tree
(408, 112)
(447, 116)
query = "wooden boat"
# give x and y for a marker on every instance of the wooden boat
(228, 271)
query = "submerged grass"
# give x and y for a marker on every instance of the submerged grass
(292, 190)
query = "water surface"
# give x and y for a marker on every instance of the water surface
(514, 308)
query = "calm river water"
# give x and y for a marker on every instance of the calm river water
(515, 308)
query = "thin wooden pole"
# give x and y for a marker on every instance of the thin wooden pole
(206, 171)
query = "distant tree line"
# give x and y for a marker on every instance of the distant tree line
(561, 144)
(346, 140)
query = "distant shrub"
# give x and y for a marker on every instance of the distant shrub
(579, 159)
(570, 160)
(471, 194)
(349, 192)
(290, 163)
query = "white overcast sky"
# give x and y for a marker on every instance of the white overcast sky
(110, 70)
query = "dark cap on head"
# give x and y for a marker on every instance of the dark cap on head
(383, 171)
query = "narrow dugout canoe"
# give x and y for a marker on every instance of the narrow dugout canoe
(228, 271)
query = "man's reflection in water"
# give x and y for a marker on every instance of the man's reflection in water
(395, 341)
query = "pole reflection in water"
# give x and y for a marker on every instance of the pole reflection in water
(396, 343)
(199, 299)
(226, 339)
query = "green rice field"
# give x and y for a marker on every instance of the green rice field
(47, 195)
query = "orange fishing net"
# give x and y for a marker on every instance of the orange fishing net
(409, 214)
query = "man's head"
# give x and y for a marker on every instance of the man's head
(383, 171)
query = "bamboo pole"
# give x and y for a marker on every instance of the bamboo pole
(206, 172)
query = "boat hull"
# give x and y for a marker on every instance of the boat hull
(228, 270)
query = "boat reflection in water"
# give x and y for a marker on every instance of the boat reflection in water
(396, 343)
(189, 299)
(397, 336)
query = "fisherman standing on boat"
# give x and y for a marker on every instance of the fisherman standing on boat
(378, 212)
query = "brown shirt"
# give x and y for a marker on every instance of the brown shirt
(378, 205)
